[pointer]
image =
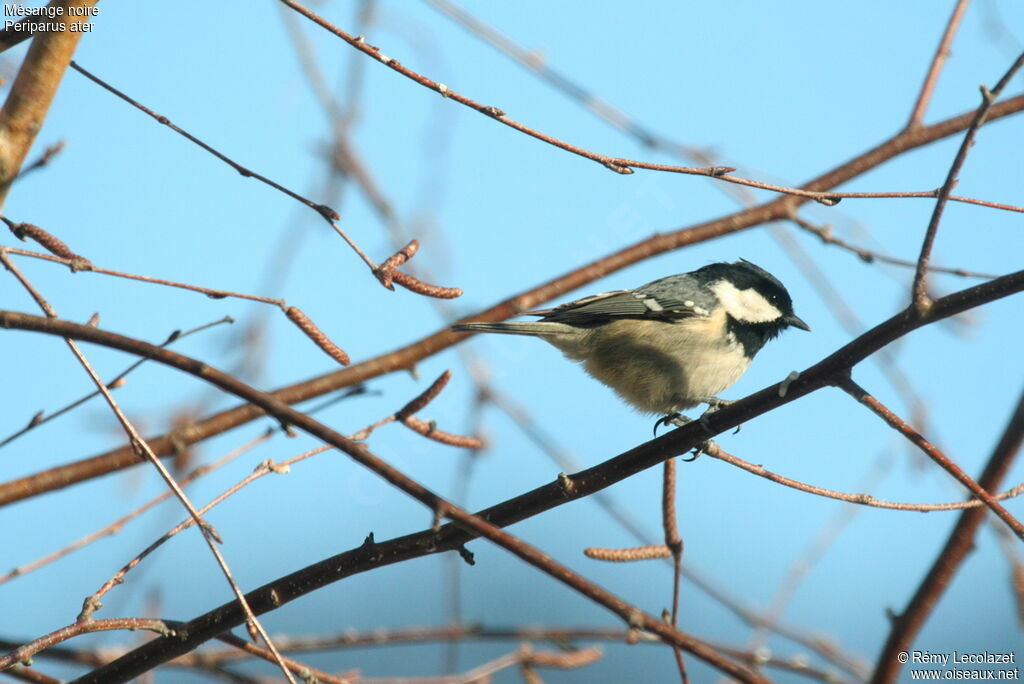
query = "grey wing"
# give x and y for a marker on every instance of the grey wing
(668, 299)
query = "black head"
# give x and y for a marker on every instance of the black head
(758, 305)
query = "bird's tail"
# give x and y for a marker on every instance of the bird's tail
(534, 328)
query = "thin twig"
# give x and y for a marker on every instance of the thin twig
(42, 418)
(919, 292)
(938, 61)
(25, 652)
(567, 463)
(210, 292)
(144, 451)
(675, 544)
(127, 666)
(871, 256)
(42, 160)
(327, 213)
(619, 165)
(958, 546)
(264, 468)
(487, 523)
(218, 658)
(848, 385)
(303, 670)
(407, 356)
(716, 451)
(293, 313)
(116, 526)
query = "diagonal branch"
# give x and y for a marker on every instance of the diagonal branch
(617, 164)
(848, 385)
(988, 99)
(942, 53)
(144, 452)
(408, 356)
(907, 624)
(487, 524)
(326, 213)
(126, 668)
(38, 78)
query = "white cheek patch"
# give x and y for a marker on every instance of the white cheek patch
(747, 305)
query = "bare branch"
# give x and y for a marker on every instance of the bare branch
(938, 61)
(488, 523)
(41, 417)
(716, 451)
(38, 78)
(988, 98)
(894, 421)
(408, 356)
(959, 544)
(118, 525)
(127, 667)
(619, 165)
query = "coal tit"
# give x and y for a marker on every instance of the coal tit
(671, 344)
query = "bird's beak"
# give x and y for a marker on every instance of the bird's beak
(796, 322)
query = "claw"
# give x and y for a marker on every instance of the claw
(701, 448)
(676, 419)
(697, 451)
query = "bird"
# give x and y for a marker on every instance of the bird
(671, 344)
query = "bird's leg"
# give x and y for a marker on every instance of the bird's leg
(679, 420)
(714, 404)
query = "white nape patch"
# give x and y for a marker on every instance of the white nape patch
(653, 304)
(748, 305)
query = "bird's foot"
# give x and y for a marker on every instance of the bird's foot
(674, 419)
(679, 420)
(714, 404)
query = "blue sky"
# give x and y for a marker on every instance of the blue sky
(783, 92)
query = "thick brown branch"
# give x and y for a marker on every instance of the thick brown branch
(468, 526)
(407, 357)
(38, 79)
(132, 665)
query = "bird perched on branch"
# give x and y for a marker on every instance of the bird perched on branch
(671, 344)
